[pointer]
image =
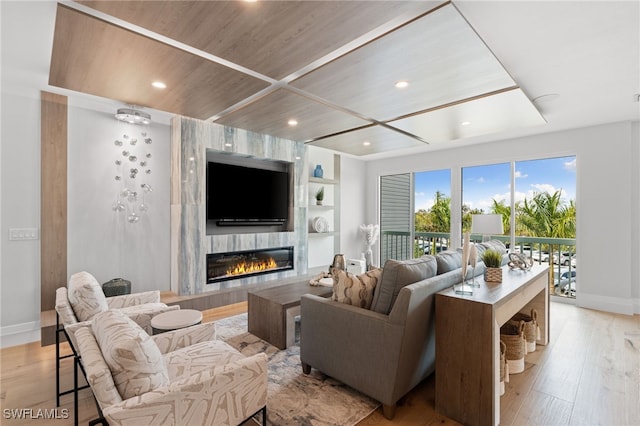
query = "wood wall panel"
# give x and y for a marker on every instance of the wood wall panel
(53, 198)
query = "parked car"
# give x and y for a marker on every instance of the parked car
(568, 258)
(439, 247)
(526, 250)
(565, 283)
(543, 256)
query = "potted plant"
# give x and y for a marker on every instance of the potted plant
(320, 196)
(492, 260)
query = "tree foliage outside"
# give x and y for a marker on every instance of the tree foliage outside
(544, 215)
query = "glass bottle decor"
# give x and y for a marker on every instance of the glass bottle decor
(318, 172)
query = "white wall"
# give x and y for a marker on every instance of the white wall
(101, 241)
(20, 170)
(607, 200)
(352, 206)
(635, 215)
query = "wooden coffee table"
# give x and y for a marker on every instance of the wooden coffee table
(272, 311)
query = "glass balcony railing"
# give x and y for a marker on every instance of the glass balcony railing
(559, 253)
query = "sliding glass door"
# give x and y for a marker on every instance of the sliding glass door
(534, 198)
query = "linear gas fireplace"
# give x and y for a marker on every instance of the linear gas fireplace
(241, 264)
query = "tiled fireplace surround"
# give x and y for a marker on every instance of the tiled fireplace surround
(190, 244)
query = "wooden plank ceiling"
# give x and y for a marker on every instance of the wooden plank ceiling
(330, 65)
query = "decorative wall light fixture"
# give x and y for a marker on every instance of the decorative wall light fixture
(133, 116)
(133, 165)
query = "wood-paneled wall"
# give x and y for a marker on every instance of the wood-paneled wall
(53, 198)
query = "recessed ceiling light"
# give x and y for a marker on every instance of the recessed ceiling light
(366, 143)
(402, 84)
(159, 85)
(465, 123)
(292, 122)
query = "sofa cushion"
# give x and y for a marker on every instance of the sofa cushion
(356, 290)
(448, 260)
(133, 357)
(397, 274)
(85, 296)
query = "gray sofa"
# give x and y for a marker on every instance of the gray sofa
(384, 351)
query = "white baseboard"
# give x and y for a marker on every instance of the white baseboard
(606, 303)
(19, 334)
(636, 306)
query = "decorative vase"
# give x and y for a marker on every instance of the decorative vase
(368, 256)
(317, 172)
(318, 202)
(464, 288)
(116, 287)
(493, 275)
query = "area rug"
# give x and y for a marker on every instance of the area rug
(294, 398)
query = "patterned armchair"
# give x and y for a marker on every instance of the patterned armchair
(78, 303)
(180, 377)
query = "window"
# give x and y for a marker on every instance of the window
(432, 201)
(536, 199)
(546, 217)
(486, 189)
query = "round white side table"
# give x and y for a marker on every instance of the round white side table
(174, 320)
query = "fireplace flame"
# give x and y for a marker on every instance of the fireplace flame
(247, 267)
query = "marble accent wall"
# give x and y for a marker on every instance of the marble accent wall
(190, 243)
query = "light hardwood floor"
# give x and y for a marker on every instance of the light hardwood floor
(589, 374)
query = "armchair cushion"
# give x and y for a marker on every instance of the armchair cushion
(133, 357)
(397, 274)
(63, 308)
(193, 359)
(86, 296)
(356, 290)
(133, 299)
(176, 339)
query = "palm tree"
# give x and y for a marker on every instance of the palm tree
(503, 210)
(441, 213)
(546, 216)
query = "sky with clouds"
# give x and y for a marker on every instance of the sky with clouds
(482, 184)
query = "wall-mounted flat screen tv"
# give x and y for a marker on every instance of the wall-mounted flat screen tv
(239, 195)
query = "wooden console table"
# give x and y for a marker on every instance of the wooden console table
(468, 339)
(271, 311)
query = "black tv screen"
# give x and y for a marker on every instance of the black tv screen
(239, 195)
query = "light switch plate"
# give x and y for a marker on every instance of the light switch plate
(18, 234)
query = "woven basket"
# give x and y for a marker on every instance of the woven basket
(504, 367)
(493, 275)
(513, 337)
(531, 329)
